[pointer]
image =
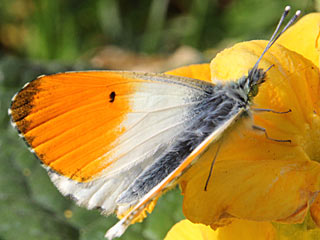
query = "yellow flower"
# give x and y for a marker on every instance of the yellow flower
(243, 230)
(256, 180)
(239, 229)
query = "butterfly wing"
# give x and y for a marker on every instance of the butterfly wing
(118, 229)
(96, 132)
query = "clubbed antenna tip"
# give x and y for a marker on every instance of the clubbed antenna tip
(276, 33)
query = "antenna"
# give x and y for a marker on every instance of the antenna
(276, 33)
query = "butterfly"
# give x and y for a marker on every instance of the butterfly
(117, 140)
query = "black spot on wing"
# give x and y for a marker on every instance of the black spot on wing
(112, 97)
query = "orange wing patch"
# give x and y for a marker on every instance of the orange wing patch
(71, 120)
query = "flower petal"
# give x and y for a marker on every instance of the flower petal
(256, 178)
(249, 230)
(292, 83)
(315, 211)
(239, 229)
(303, 37)
(196, 71)
(304, 231)
(186, 230)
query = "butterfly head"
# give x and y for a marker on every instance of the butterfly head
(255, 78)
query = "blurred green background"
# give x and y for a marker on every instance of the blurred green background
(46, 36)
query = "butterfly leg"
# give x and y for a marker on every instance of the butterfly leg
(212, 164)
(269, 110)
(255, 127)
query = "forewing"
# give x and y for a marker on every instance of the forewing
(95, 132)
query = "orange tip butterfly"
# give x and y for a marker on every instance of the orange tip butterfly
(116, 140)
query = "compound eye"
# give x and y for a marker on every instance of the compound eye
(254, 91)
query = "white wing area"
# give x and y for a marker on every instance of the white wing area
(160, 108)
